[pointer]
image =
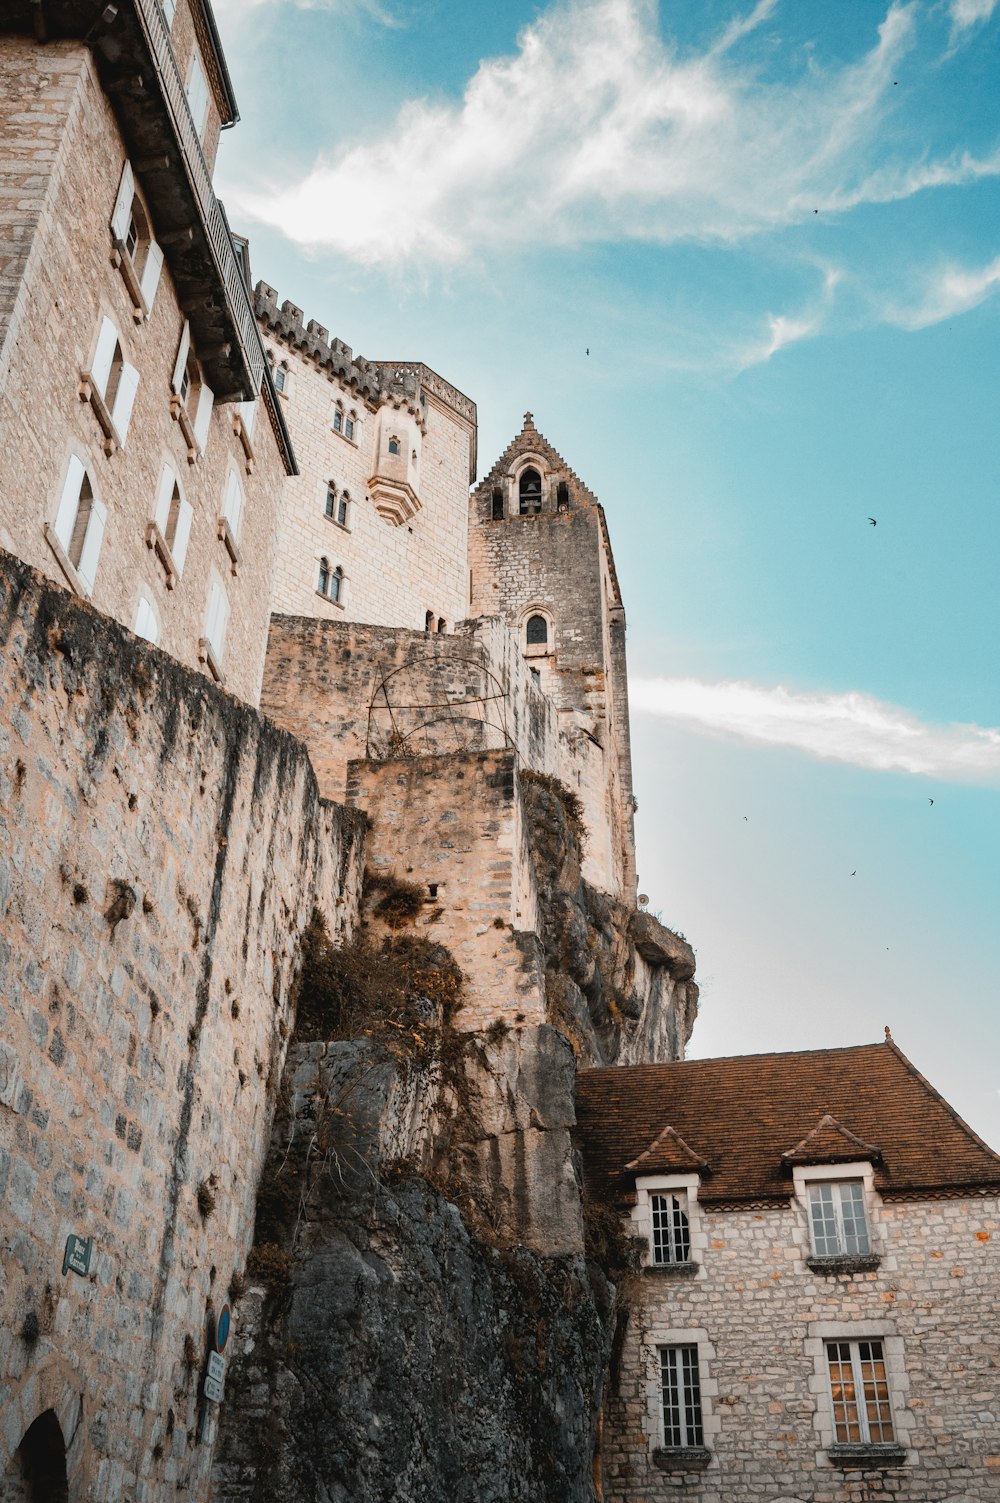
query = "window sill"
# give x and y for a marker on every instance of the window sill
(226, 536)
(179, 413)
(334, 523)
(867, 1458)
(845, 1263)
(352, 441)
(206, 655)
(330, 600)
(123, 262)
(686, 1270)
(73, 579)
(240, 429)
(160, 546)
(89, 393)
(682, 1458)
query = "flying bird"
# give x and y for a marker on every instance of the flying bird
(854, 874)
(930, 801)
(873, 521)
(588, 349)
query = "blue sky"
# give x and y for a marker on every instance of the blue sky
(776, 227)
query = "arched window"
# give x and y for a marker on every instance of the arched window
(324, 576)
(497, 504)
(338, 419)
(529, 492)
(349, 424)
(281, 376)
(429, 621)
(394, 445)
(562, 496)
(337, 584)
(331, 499)
(343, 502)
(442, 624)
(536, 633)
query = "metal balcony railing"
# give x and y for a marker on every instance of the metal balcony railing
(216, 230)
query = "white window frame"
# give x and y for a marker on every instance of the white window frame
(230, 521)
(686, 1185)
(81, 575)
(195, 428)
(804, 1176)
(141, 277)
(819, 1334)
(657, 1335)
(858, 1364)
(114, 419)
(678, 1360)
(212, 646)
(172, 553)
(168, 8)
(146, 616)
(838, 1205)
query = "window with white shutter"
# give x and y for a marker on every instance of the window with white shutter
(76, 534)
(147, 624)
(135, 252)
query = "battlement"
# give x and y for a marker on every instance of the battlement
(398, 382)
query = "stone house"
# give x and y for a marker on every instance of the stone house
(143, 448)
(814, 1318)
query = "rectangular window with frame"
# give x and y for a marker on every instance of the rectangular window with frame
(671, 1239)
(680, 1391)
(837, 1219)
(859, 1389)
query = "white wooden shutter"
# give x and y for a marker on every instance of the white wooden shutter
(233, 508)
(197, 94)
(100, 366)
(87, 567)
(146, 624)
(151, 274)
(168, 7)
(180, 363)
(216, 618)
(164, 496)
(178, 551)
(203, 415)
(248, 416)
(121, 412)
(123, 203)
(69, 501)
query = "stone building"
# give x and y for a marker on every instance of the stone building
(144, 448)
(814, 1319)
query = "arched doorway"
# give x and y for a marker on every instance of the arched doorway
(37, 1469)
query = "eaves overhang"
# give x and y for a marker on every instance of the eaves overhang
(130, 43)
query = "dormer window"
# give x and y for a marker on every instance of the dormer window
(394, 446)
(837, 1221)
(529, 491)
(671, 1236)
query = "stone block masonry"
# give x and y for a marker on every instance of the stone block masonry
(455, 825)
(161, 849)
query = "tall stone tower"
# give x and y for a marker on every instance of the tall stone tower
(540, 557)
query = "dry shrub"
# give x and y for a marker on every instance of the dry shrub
(391, 989)
(399, 901)
(271, 1264)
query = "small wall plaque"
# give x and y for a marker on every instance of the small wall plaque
(76, 1254)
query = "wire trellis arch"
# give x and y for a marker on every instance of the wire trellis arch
(396, 722)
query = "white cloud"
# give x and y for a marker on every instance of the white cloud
(966, 13)
(784, 329)
(950, 292)
(595, 129)
(852, 728)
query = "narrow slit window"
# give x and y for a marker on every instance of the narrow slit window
(331, 500)
(323, 586)
(497, 504)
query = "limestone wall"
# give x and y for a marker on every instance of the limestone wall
(161, 849)
(455, 825)
(61, 172)
(760, 1317)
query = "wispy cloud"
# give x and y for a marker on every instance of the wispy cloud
(947, 294)
(784, 329)
(968, 13)
(595, 129)
(852, 728)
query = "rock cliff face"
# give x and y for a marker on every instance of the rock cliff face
(430, 1309)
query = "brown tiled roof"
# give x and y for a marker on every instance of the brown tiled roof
(830, 1142)
(668, 1154)
(742, 1114)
